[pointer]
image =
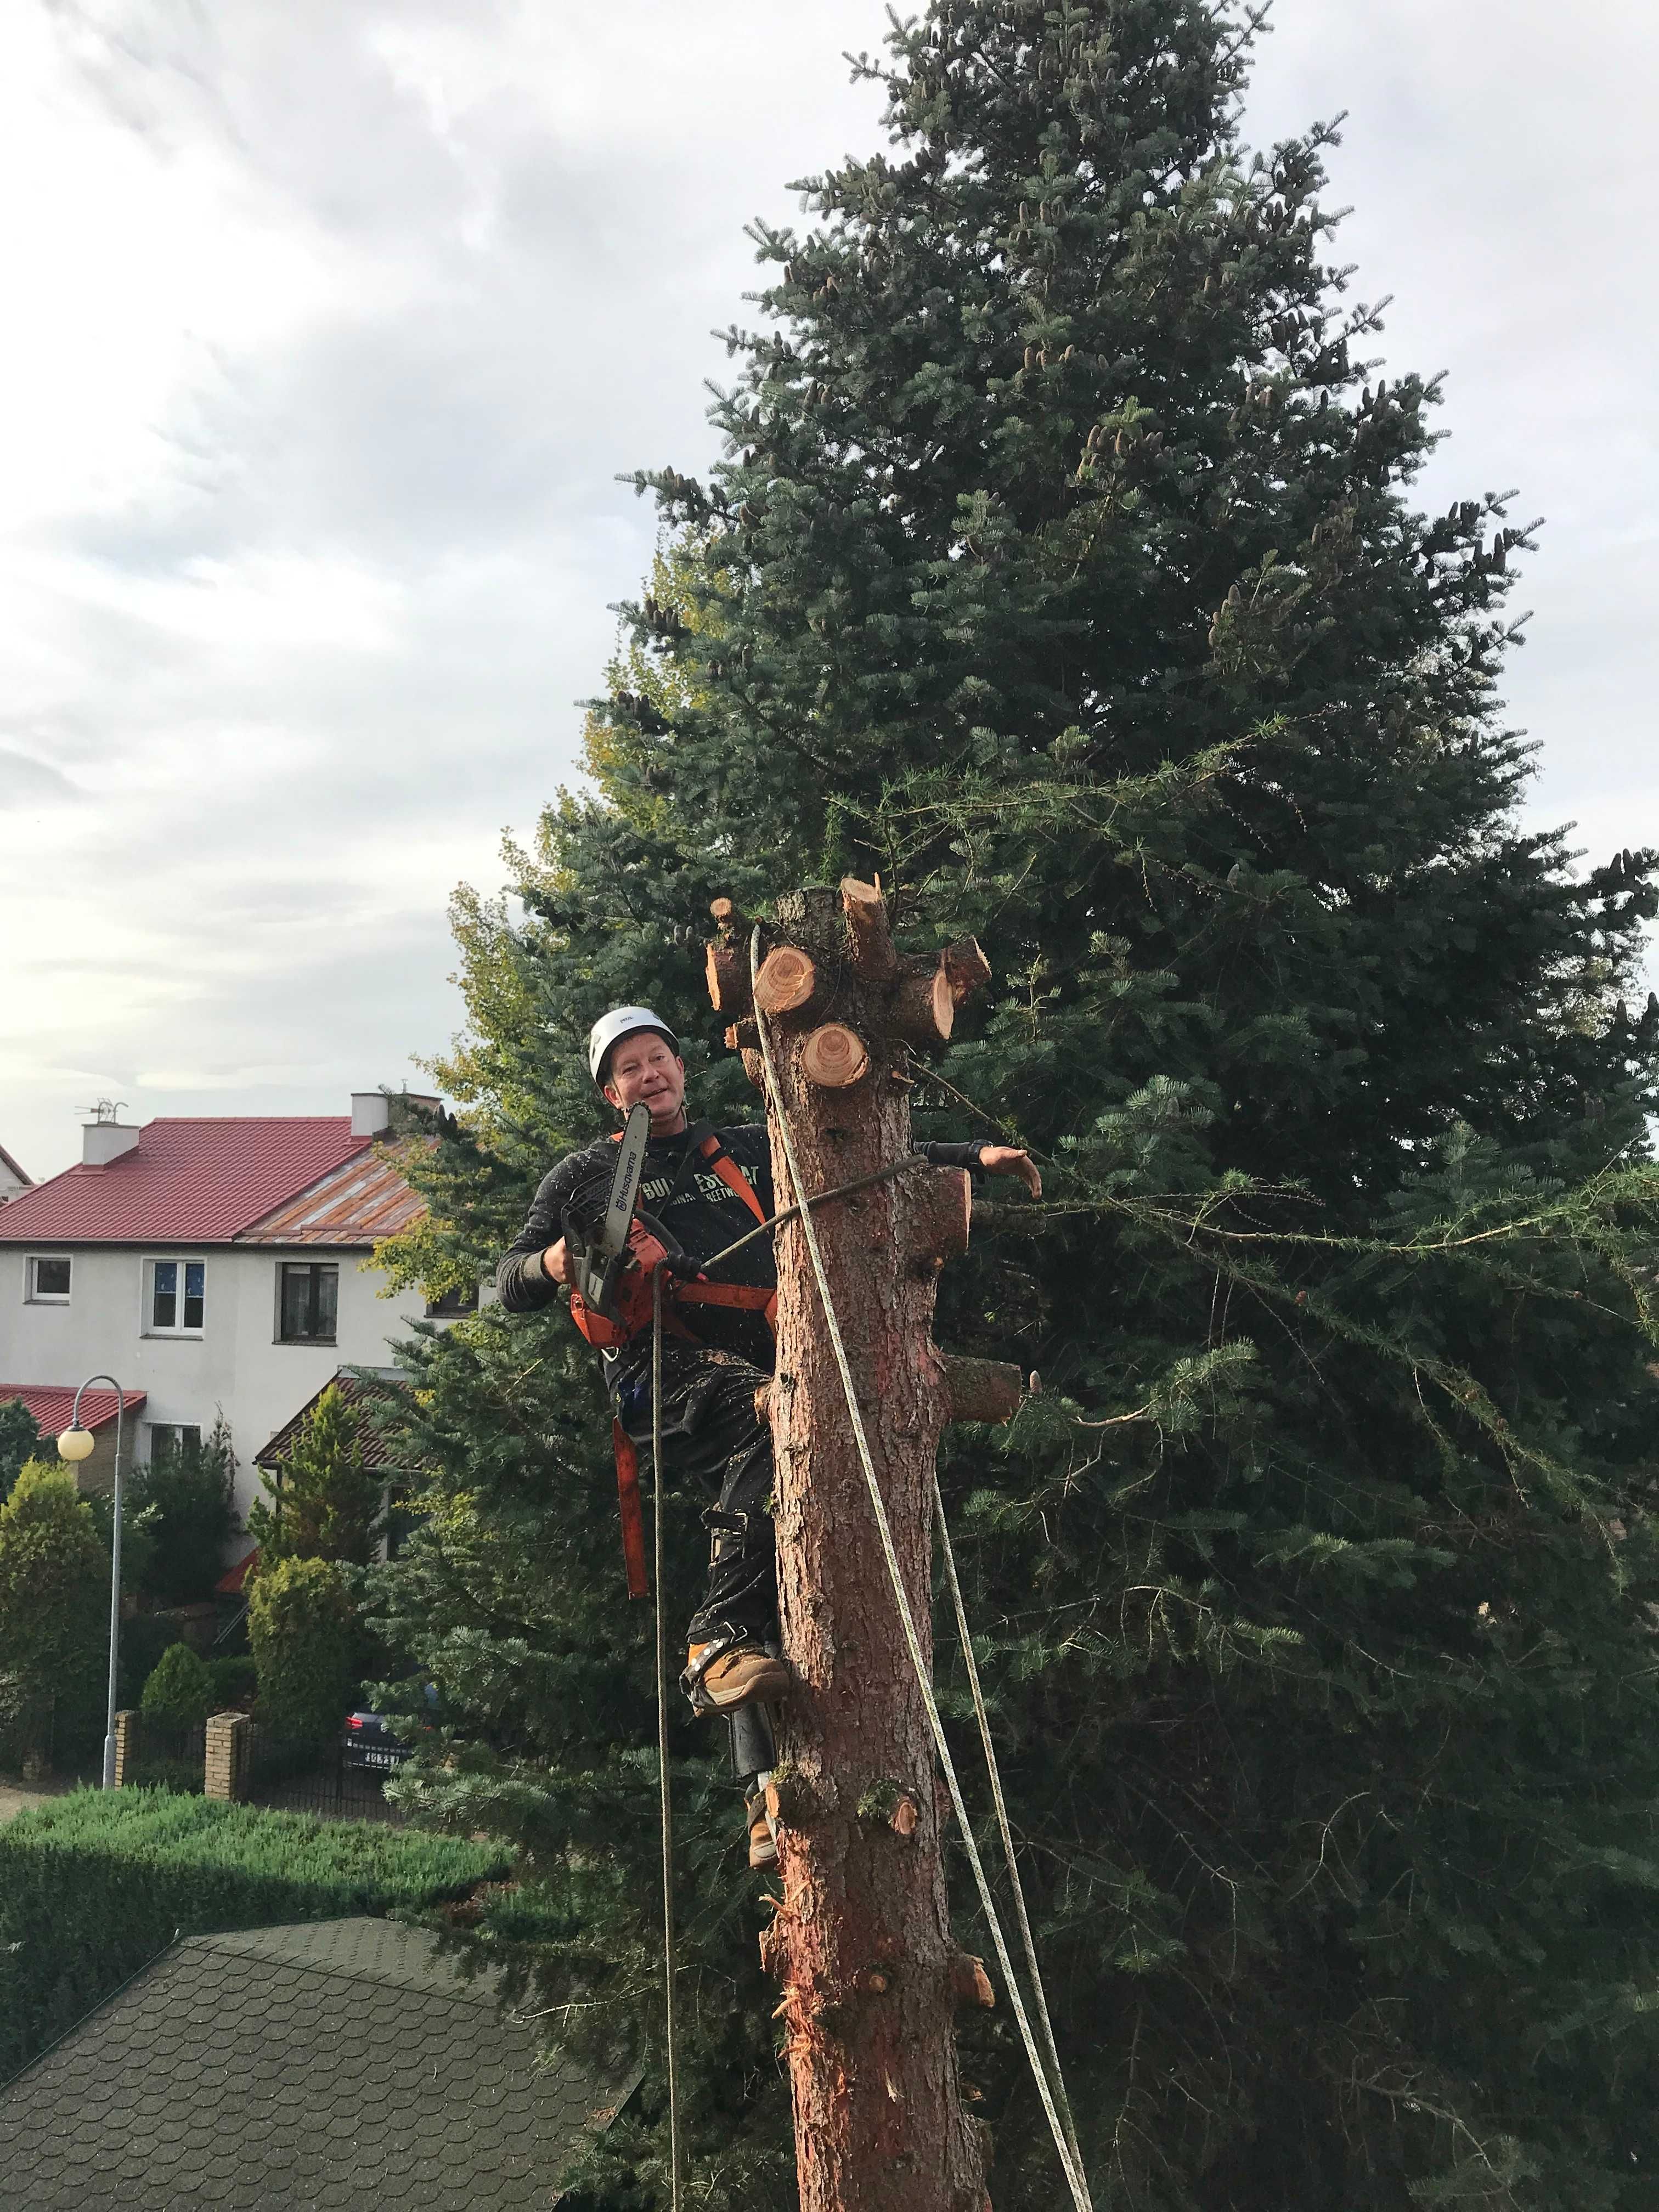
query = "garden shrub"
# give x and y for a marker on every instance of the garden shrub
(19, 1441)
(179, 1693)
(54, 1601)
(184, 1502)
(95, 1884)
(234, 1678)
(302, 1623)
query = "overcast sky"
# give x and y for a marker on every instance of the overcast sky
(330, 323)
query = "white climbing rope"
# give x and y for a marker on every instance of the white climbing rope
(947, 1553)
(675, 2160)
(1071, 2165)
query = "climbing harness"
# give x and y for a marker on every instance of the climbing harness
(1070, 2164)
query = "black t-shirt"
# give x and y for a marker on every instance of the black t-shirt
(685, 1195)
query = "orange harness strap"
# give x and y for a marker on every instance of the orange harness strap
(628, 1502)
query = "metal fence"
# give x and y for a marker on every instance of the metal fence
(308, 1778)
(164, 1757)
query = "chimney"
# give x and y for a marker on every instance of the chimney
(371, 1113)
(103, 1141)
(371, 1110)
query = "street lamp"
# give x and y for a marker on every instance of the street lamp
(76, 1444)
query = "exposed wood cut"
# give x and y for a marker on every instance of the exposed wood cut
(834, 1057)
(873, 957)
(924, 1011)
(787, 979)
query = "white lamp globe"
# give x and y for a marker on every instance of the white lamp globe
(76, 1444)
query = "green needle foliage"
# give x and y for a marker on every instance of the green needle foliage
(322, 1503)
(1062, 565)
(18, 1440)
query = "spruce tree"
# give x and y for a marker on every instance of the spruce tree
(1061, 565)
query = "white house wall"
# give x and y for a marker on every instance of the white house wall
(236, 1364)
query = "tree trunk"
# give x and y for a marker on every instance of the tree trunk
(872, 1980)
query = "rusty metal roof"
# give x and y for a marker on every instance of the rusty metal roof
(359, 1201)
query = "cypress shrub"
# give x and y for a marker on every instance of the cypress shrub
(302, 1624)
(180, 1693)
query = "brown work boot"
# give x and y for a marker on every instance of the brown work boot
(743, 1674)
(763, 1850)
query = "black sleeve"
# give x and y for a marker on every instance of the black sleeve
(953, 1155)
(521, 1282)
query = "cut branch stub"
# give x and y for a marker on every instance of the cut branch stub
(924, 1011)
(728, 919)
(834, 1057)
(742, 1037)
(727, 972)
(966, 969)
(980, 1389)
(971, 1983)
(787, 979)
(873, 957)
(939, 1203)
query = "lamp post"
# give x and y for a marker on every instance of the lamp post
(75, 1445)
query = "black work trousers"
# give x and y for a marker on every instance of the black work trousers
(712, 1443)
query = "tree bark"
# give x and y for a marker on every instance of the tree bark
(872, 1978)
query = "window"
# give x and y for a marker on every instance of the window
(176, 1303)
(166, 1437)
(47, 1281)
(453, 1305)
(308, 1302)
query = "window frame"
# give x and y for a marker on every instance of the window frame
(316, 1269)
(32, 1295)
(448, 1307)
(148, 1325)
(175, 1431)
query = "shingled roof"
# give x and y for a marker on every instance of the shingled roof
(379, 1454)
(334, 2064)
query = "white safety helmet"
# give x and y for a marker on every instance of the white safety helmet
(610, 1028)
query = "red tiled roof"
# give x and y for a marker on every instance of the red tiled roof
(51, 1404)
(232, 1582)
(184, 1182)
(356, 1204)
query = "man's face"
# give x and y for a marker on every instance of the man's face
(646, 1067)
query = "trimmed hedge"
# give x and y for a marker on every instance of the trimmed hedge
(95, 1885)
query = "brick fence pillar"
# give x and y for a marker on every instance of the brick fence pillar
(127, 1728)
(226, 1774)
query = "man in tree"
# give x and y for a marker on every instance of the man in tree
(708, 1187)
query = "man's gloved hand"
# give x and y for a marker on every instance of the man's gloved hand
(1008, 1159)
